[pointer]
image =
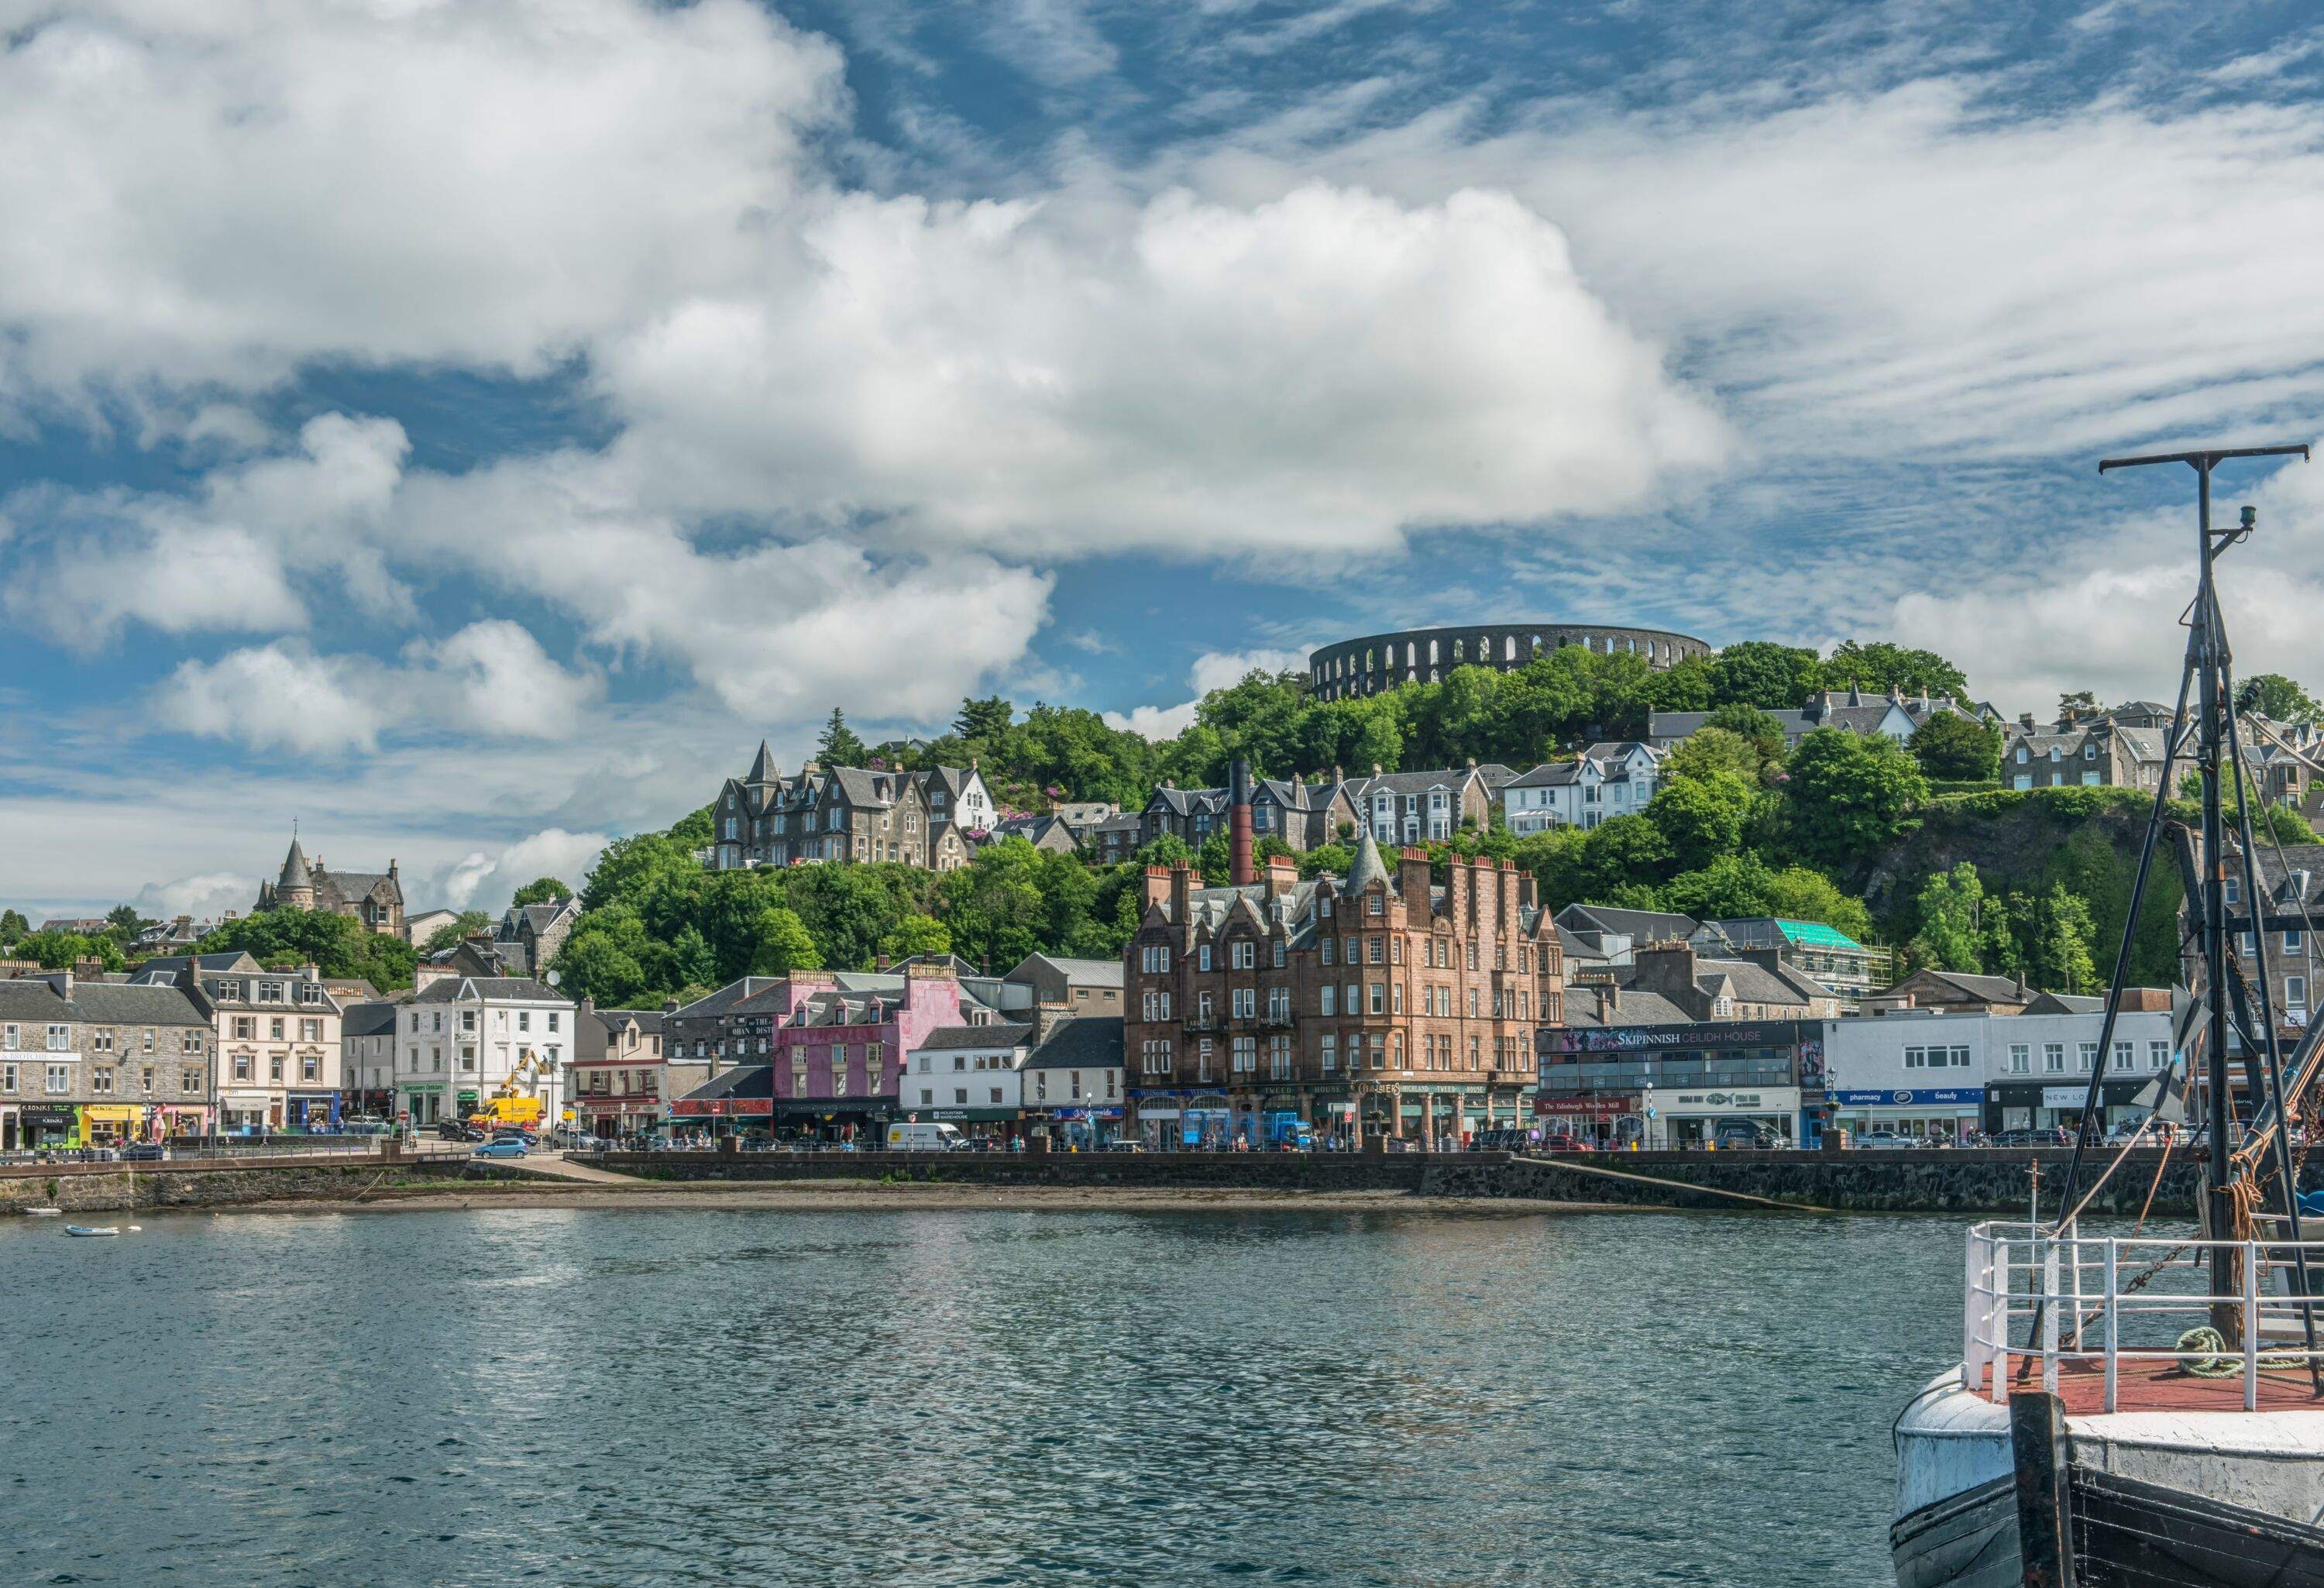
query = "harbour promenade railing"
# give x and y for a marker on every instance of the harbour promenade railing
(2060, 1308)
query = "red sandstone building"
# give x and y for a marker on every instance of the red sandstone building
(1383, 1003)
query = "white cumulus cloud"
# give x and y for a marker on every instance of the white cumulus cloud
(1214, 670)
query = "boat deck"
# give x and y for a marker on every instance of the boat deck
(2164, 1386)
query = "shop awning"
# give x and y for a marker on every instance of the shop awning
(113, 1114)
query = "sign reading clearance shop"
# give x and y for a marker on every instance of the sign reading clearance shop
(1646, 1039)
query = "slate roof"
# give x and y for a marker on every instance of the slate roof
(1634, 1009)
(1640, 926)
(750, 1080)
(516, 989)
(649, 1019)
(102, 1004)
(1554, 774)
(1089, 1043)
(952, 1038)
(1992, 989)
(369, 1020)
(721, 1000)
(1102, 972)
(174, 965)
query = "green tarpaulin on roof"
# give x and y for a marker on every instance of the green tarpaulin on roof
(1816, 934)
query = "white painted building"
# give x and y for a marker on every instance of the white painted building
(1922, 1072)
(1605, 780)
(463, 1039)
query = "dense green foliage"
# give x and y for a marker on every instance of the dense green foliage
(1955, 749)
(540, 890)
(339, 944)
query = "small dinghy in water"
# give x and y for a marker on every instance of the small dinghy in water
(42, 1213)
(92, 1229)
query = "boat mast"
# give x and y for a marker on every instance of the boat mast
(2209, 660)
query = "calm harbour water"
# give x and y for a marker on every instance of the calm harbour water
(656, 1397)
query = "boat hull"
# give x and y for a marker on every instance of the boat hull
(2183, 1500)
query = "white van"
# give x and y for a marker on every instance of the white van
(930, 1138)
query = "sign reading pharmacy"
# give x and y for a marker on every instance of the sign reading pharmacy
(1907, 1097)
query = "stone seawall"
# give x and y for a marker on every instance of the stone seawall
(1967, 1182)
(1269, 1171)
(112, 1188)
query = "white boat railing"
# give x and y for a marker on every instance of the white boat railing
(2073, 1304)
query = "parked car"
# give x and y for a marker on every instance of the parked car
(145, 1152)
(453, 1130)
(1737, 1134)
(1884, 1139)
(1559, 1141)
(516, 1134)
(505, 1147)
(926, 1136)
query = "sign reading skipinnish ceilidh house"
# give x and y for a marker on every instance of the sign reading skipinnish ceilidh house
(1566, 1041)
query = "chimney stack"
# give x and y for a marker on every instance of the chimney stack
(1182, 887)
(1282, 875)
(1239, 840)
(1411, 882)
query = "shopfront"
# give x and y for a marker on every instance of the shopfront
(419, 1105)
(109, 1124)
(722, 1116)
(1925, 1112)
(1082, 1130)
(1691, 1084)
(50, 1125)
(245, 1113)
(978, 1124)
(2034, 1106)
(182, 1120)
(1180, 1119)
(11, 1129)
(313, 1113)
(1604, 1120)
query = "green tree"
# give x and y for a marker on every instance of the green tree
(1764, 732)
(124, 920)
(2278, 698)
(1701, 818)
(986, 719)
(541, 890)
(1801, 894)
(2058, 955)
(13, 927)
(1957, 749)
(336, 945)
(839, 746)
(1878, 665)
(1628, 850)
(453, 932)
(917, 935)
(848, 910)
(1775, 678)
(1946, 916)
(780, 944)
(59, 951)
(1849, 795)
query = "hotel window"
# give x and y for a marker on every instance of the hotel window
(2295, 995)
(100, 1041)
(2122, 1057)
(12, 1037)
(1378, 999)
(7, 1077)
(191, 1082)
(1203, 958)
(1279, 953)
(1376, 903)
(2158, 1054)
(308, 1067)
(60, 1038)
(149, 1039)
(100, 1079)
(274, 1069)
(310, 1031)
(1376, 950)
(1325, 999)
(1327, 954)
(59, 1080)
(1327, 1051)
(242, 1066)
(2054, 1059)
(2292, 942)
(1203, 1059)
(274, 1029)
(1203, 1007)
(2087, 1056)
(1246, 1003)
(1395, 998)
(1245, 1053)
(1246, 956)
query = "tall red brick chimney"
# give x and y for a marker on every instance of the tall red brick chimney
(1239, 844)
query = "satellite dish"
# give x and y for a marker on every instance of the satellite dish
(552, 977)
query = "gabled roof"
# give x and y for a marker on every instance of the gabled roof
(750, 1080)
(174, 965)
(103, 1004)
(1095, 972)
(721, 1000)
(470, 989)
(1552, 774)
(1090, 1042)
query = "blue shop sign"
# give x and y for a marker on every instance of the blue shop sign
(1904, 1097)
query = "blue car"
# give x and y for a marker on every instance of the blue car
(509, 1148)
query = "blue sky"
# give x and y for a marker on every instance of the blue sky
(468, 429)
